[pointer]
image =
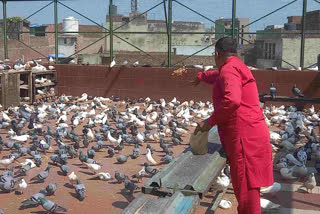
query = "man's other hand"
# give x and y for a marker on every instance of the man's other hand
(195, 82)
(203, 126)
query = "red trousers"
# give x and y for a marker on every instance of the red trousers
(248, 198)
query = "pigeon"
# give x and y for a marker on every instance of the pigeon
(140, 174)
(6, 162)
(225, 204)
(113, 63)
(80, 190)
(310, 183)
(65, 169)
(129, 185)
(273, 91)
(42, 176)
(51, 189)
(33, 201)
(166, 159)
(111, 151)
(275, 187)
(93, 167)
(150, 170)
(9, 185)
(150, 158)
(104, 176)
(120, 177)
(296, 91)
(122, 158)
(73, 178)
(287, 173)
(24, 169)
(22, 186)
(51, 206)
(266, 204)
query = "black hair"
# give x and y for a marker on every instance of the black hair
(226, 46)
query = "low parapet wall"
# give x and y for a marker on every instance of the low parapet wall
(157, 82)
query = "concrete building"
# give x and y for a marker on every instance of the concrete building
(152, 42)
(274, 50)
(224, 28)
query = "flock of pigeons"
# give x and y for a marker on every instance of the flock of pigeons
(33, 65)
(107, 124)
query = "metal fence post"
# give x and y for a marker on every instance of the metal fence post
(234, 19)
(5, 41)
(303, 26)
(318, 62)
(56, 31)
(111, 29)
(169, 32)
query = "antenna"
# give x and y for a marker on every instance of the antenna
(134, 6)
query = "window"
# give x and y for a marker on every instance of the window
(269, 50)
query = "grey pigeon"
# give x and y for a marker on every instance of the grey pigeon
(111, 152)
(42, 176)
(10, 185)
(65, 169)
(167, 159)
(80, 190)
(51, 206)
(122, 158)
(129, 185)
(51, 189)
(24, 169)
(273, 91)
(150, 170)
(296, 91)
(120, 177)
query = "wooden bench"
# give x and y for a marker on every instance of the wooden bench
(179, 186)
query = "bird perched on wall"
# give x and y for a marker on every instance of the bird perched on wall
(112, 63)
(273, 91)
(296, 91)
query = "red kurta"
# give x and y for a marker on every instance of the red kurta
(242, 129)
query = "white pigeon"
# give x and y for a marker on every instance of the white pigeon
(207, 67)
(181, 131)
(51, 60)
(225, 204)
(93, 167)
(6, 162)
(51, 67)
(113, 140)
(83, 98)
(223, 181)
(5, 116)
(21, 138)
(113, 63)
(266, 204)
(104, 176)
(150, 158)
(149, 109)
(310, 182)
(275, 187)
(22, 186)
(90, 134)
(135, 64)
(27, 161)
(274, 136)
(140, 138)
(73, 178)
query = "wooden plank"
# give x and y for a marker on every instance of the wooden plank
(216, 201)
(136, 205)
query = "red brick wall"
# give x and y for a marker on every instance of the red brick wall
(157, 82)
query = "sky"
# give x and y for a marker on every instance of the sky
(213, 9)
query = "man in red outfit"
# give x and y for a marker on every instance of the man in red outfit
(243, 132)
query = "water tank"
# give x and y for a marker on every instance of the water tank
(70, 24)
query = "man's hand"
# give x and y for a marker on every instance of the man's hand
(179, 72)
(203, 126)
(195, 82)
